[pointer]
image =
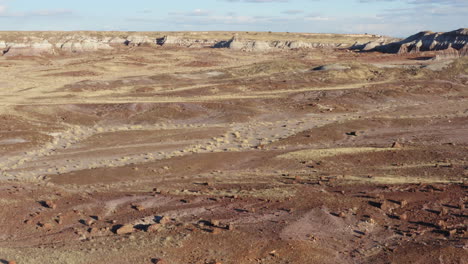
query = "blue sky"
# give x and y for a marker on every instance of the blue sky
(390, 17)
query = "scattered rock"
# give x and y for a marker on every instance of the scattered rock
(403, 217)
(125, 229)
(443, 211)
(50, 204)
(452, 232)
(93, 230)
(164, 220)
(214, 222)
(138, 207)
(403, 203)
(153, 228)
(396, 145)
(46, 226)
(441, 224)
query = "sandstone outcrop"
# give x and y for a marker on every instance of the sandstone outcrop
(138, 40)
(45, 43)
(35, 46)
(185, 42)
(26, 47)
(262, 46)
(83, 45)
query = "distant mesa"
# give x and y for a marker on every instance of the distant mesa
(446, 44)
(56, 43)
(261, 46)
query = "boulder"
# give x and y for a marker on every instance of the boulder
(125, 229)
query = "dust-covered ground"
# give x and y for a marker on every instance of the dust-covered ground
(173, 155)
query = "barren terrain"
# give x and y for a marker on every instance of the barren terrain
(160, 154)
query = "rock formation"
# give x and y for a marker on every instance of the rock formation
(185, 42)
(83, 45)
(244, 45)
(262, 46)
(454, 43)
(26, 47)
(451, 53)
(138, 40)
(41, 43)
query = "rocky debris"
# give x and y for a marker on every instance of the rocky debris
(124, 229)
(153, 228)
(461, 205)
(444, 211)
(403, 216)
(396, 145)
(93, 230)
(138, 207)
(454, 43)
(384, 205)
(46, 226)
(441, 224)
(49, 204)
(403, 203)
(214, 223)
(164, 220)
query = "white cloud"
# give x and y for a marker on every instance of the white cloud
(195, 12)
(318, 18)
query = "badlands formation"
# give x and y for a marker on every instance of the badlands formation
(233, 147)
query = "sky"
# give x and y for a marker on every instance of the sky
(397, 18)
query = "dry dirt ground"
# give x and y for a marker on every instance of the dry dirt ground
(171, 155)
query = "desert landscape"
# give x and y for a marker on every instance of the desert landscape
(233, 147)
